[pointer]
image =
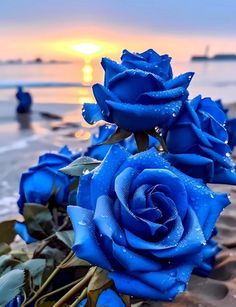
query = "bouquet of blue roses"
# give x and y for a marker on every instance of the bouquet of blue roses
(132, 217)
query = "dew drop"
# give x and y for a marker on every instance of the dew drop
(82, 223)
(85, 171)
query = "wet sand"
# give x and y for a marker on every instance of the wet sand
(24, 138)
(22, 141)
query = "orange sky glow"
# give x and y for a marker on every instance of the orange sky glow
(108, 42)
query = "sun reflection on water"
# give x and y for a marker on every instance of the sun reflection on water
(87, 73)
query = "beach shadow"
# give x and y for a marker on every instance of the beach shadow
(24, 121)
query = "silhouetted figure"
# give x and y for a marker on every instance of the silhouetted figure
(24, 101)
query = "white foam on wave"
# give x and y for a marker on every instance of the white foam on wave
(23, 143)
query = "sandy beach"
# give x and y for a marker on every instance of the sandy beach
(23, 138)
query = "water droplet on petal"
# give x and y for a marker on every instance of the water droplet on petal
(82, 223)
(85, 171)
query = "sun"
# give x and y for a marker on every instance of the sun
(87, 49)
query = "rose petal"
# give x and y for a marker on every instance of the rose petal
(141, 118)
(102, 179)
(106, 222)
(92, 113)
(164, 177)
(111, 69)
(192, 241)
(101, 94)
(182, 80)
(132, 286)
(193, 165)
(161, 97)
(132, 261)
(85, 239)
(128, 85)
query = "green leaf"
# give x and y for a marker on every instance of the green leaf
(67, 237)
(10, 286)
(117, 137)
(80, 166)
(38, 220)
(7, 263)
(98, 283)
(20, 255)
(142, 141)
(75, 262)
(7, 231)
(35, 267)
(4, 248)
(53, 255)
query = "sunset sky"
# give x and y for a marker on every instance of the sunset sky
(57, 28)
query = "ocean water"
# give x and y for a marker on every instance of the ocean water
(214, 79)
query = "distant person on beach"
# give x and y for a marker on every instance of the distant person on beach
(24, 101)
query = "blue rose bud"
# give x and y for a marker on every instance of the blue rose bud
(44, 180)
(136, 99)
(198, 142)
(144, 221)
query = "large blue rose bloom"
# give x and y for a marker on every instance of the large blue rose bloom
(144, 221)
(198, 142)
(136, 99)
(98, 152)
(149, 61)
(44, 180)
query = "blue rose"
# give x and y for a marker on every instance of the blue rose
(148, 61)
(144, 221)
(44, 180)
(135, 99)
(98, 152)
(198, 142)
